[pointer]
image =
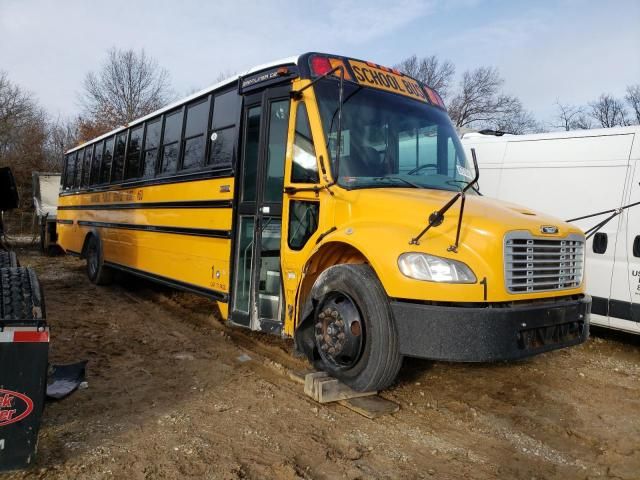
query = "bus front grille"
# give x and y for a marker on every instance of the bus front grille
(534, 264)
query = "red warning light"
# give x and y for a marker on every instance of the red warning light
(320, 65)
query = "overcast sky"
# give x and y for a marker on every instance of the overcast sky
(572, 49)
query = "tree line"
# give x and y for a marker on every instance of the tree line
(130, 84)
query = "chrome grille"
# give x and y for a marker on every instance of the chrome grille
(535, 264)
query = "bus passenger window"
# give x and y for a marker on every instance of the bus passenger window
(171, 142)
(278, 126)
(118, 157)
(70, 171)
(305, 167)
(77, 169)
(194, 132)
(151, 144)
(86, 166)
(133, 154)
(222, 135)
(95, 164)
(222, 147)
(107, 157)
(303, 222)
(225, 110)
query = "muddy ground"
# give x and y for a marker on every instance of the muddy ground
(168, 398)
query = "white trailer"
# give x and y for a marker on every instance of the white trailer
(570, 175)
(46, 188)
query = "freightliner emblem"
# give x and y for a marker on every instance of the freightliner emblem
(549, 229)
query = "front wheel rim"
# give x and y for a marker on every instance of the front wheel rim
(339, 330)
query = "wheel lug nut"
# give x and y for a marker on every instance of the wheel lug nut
(324, 347)
(334, 314)
(327, 311)
(322, 315)
(341, 335)
(332, 350)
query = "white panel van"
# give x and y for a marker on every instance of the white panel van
(571, 175)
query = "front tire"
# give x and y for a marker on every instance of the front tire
(97, 271)
(355, 336)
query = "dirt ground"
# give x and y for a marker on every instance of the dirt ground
(168, 398)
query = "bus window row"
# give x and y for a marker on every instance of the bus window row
(173, 142)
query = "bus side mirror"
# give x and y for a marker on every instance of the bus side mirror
(9, 198)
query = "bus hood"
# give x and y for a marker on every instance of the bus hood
(411, 208)
(382, 222)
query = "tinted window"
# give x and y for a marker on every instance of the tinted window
(173, 127)
(95, 164)
(193, 152)
(152, 140)
(69, 171)
(77, 169)
(151, 144)
(303, 222)
(195, 130)
(225, 110)
(222, 142)
(107, 159)
(170, 142)
(277, 147)
(86, 165)
(197, 118)
(305, 168)
(133, 153)
(118, 157)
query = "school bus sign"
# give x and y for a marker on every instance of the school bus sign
(371, 75)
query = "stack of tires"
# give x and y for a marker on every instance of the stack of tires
(24, 356)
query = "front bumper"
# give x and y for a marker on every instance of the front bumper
(490, 333)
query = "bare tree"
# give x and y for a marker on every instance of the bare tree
(633, 99)
(23, 134)
(129, 85)
(479, 100)
(515, 119)
(608, 111)
(62, 135)
(571, 117)
(431, 71)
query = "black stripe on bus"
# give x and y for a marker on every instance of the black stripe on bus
(145, 205)
(64, 222)
(616, 308)
(199, 232)
(169, 282)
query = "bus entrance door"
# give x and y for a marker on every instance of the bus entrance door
(257, 293)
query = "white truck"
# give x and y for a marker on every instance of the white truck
(572, 175)
(46, 187)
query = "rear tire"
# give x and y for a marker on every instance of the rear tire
(97, 271)
(20, 295)
(8, 259)
(352, 296)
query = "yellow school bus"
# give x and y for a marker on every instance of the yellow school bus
(327, 199)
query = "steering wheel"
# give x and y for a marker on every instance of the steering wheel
(422, 167)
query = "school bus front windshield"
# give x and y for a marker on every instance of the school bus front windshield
(388, 140)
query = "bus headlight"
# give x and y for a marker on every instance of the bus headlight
(422, 266)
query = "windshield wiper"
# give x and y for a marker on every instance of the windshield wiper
(474, 188)
(437, 217)
(391, 177)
